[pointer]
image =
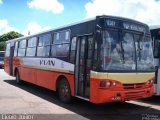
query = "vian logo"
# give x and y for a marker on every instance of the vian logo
(47, 62)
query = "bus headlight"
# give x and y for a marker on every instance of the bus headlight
(114, 83)
(108, 83)
(149, 82)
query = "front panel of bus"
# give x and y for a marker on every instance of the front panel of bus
(124, 68)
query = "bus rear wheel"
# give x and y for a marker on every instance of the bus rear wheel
(64, 91)
(18, 80)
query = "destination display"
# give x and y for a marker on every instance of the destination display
(126, 25)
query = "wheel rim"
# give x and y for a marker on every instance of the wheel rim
(64, 90)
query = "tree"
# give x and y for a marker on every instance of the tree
(8, 36)
(2, 46)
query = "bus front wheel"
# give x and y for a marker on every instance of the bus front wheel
(64, 91)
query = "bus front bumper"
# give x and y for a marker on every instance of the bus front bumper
(106, 95)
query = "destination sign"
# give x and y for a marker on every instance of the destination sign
(111, 23)
(125, 25)
(135, 27)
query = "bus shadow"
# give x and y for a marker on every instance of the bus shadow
(154, 100)
(88, 110)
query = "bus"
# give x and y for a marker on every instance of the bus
(102, 59)
(155, 33)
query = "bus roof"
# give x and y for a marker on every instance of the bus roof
(75, 23)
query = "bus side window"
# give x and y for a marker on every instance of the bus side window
(60, 50)
(7, 53)
(62, 37)
(31, 48)
(43, 48)
(22, 48)
(60, 47)
(73, 49)
(15, 49)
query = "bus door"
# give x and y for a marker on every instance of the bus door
(11, 60)
(83, 66)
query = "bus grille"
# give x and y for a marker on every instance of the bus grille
(134, 95)
(134, 91)
(133, 86)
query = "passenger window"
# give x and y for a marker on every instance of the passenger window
(22, 48)
(31, 49)
(60, 48)
(43, 51)
(21, 52)
(15, 49)
(43, 48)
(62, 37)
(45, 40)
(22, 44)
(32, 42)
(7, 53)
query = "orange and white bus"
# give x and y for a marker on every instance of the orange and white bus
(104, 59)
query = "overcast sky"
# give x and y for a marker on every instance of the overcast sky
(37, 15)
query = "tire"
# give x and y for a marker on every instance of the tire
(18, 80)
(64, 91)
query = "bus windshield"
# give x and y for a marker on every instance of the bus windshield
(129, 52)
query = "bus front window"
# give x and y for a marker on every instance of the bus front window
(128, 51)
(132, 52)
(117, 54)
(144, 53)
(111, 56)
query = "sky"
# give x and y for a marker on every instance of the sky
(40, 15)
